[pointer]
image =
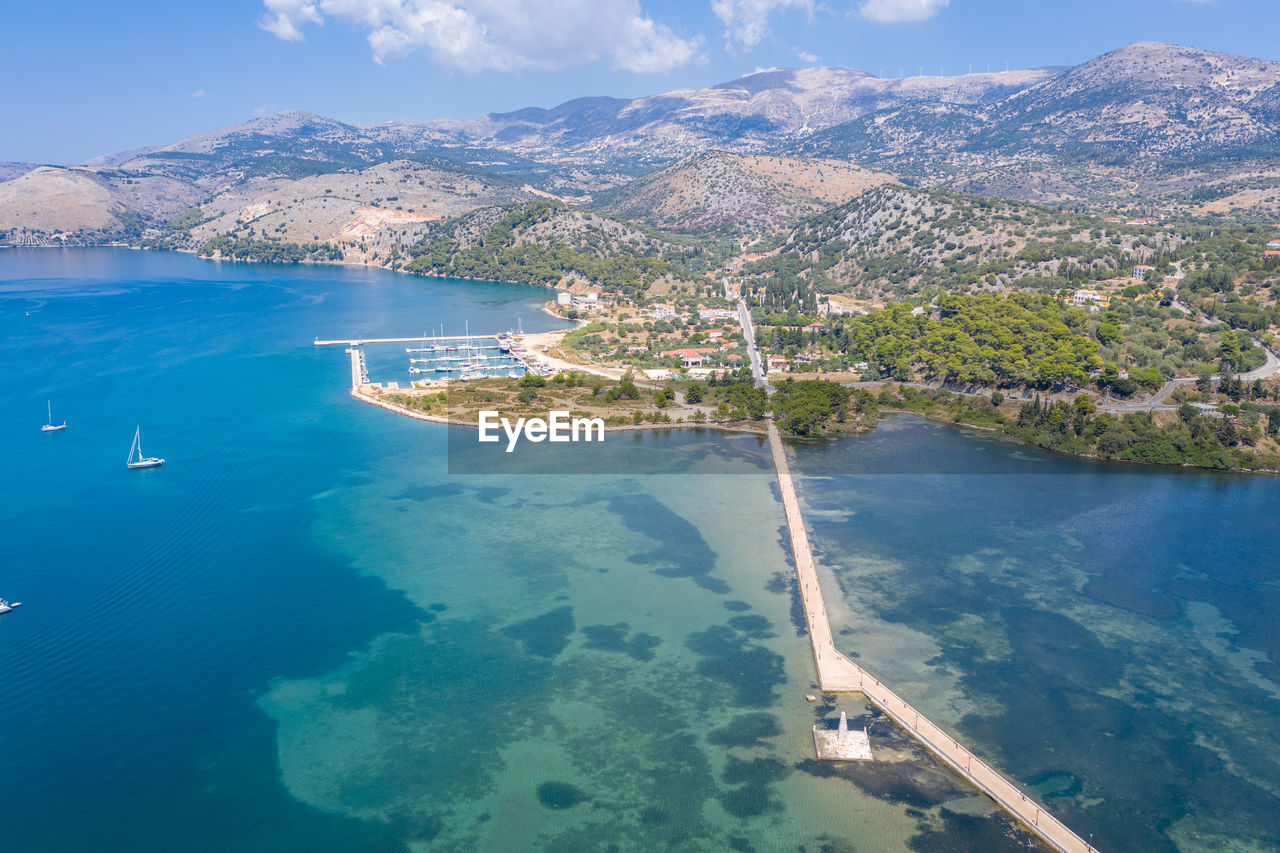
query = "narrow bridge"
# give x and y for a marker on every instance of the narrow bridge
(838, 674)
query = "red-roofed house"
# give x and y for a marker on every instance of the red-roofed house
(689, 356)
(778, 363)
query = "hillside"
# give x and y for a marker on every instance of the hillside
(548, 243)
(896, 240)
(9, 171)
(737, 192)
(83, 205)
(352, 206)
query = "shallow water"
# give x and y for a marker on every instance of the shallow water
(303, 633)
(1106, 634)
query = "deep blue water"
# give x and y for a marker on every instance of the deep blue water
(157, 602)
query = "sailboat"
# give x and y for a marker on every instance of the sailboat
(49, 425)
(136, 450)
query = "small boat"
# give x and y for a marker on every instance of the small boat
(49, 425)
(5, 606)
(136, 451)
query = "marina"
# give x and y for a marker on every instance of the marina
(438, 359)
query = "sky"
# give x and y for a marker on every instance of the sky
(84, 78)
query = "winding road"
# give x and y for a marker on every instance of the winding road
(1157, 401)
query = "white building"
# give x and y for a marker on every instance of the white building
(1089, 297)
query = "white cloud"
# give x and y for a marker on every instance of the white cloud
(477, 35)
(747, 21)
(901, 11)
(199, 93)
(807, 57)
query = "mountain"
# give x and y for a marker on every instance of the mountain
(737, 192)
(288, 144)
(1137, 113)
(1149, 119)
(758, 112)
(1148, 101)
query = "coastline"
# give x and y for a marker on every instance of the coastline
(398, 409)
(1095, 457)
(739, 427)
(392, 407)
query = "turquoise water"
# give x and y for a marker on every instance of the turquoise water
(1109, 635)
(303, 633)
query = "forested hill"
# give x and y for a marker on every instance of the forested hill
(1022, 339)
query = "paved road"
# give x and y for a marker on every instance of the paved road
(1269, 368)
(753, 349)
(1157, 402)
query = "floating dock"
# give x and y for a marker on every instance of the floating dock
(838, 674)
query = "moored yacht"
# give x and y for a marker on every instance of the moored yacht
(49, 425)
(136, 459)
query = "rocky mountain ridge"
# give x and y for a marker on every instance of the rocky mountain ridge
(1146, 119)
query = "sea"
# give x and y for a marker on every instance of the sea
(306, 632)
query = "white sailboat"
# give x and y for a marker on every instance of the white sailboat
(49, 425)
(136, 451)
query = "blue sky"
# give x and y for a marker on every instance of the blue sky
(87, 78)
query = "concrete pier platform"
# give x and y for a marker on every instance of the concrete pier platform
(842, 743)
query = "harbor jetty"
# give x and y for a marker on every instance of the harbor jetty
(359, 367)
(355, 342)
(838, 674)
